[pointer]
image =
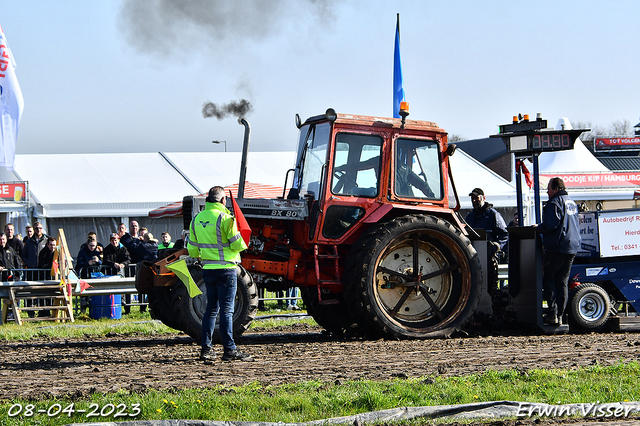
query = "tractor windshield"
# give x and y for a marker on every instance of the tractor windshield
(417, 169)
(312, 156)
(356, 165)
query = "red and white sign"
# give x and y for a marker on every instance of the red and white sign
(14, 192)
(606, 144)
(595, 180)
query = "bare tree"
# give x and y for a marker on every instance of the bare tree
(456, 138)
(617, 128)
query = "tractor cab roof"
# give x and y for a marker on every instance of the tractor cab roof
(370, 121)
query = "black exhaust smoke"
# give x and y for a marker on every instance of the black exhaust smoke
(236, 108)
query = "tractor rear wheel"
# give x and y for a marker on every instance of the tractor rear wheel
(413, 277)
(188, 311)
(589, 306)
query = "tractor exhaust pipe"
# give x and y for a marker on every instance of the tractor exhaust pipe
(245, 150)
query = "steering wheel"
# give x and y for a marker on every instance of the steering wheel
(344, 181)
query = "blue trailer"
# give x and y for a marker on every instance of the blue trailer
(605, 288)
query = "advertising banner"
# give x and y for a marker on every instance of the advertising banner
(13, 192)
(619, 233)
(588, 234)
(607, 144)
(595, 180)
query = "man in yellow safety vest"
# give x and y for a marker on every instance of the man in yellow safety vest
(214, 238)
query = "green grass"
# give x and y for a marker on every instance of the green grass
(314, 400)
(311, 400)
(136, 323)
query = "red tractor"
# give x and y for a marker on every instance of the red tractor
(366, 231)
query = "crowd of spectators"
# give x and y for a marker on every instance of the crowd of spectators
(31, 258)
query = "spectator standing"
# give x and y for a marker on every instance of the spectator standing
(560, 241)
(32, 249)
(292, 302)
(89, 259)
(45, 261)
(134, 229)
(122, 229)
(8, 258)
(180, 243)
(29, 233)
(45, 257)
(166, 241)
(14, 242)
(115, 255)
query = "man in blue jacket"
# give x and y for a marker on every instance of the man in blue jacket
(560, 240)
(484, 216)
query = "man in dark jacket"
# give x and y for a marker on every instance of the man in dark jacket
(560, 240)
(484, 216)
(32, 248)
(8, 258)
(15, 243)
(115, 255)
(89, 259)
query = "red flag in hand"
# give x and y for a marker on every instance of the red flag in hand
(243, 225)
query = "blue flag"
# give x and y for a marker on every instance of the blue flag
(398, 85)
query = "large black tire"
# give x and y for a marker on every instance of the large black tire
(160, 306)
(386, 295)
(334, 318)
(589, 306)
(188, 311)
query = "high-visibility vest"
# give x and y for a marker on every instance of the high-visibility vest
(214, 237)
(161, 246)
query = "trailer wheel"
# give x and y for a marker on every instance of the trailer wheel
(188, 311)
(334, 318)
(589, 306)
(413, 277)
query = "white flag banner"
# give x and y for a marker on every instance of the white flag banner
(11, 105)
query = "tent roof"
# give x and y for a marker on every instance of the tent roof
(251, 190)
(207, 169)
(577, 160)
(133, 184)
(469, 173)
(69, 185)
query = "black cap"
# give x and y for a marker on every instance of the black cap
(476, 192)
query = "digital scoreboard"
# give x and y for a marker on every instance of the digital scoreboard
(529, 137)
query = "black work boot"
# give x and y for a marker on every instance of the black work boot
(550, 319)
(236, 355)
(207, 355)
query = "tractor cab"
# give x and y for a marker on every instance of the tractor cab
(356, 169)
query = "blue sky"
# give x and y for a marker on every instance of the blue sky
(132, 76)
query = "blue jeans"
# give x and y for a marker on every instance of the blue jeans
(221, 293)
(292, 293)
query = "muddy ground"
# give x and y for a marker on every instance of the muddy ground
(78, 367)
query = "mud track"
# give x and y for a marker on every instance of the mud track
(79, 367)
